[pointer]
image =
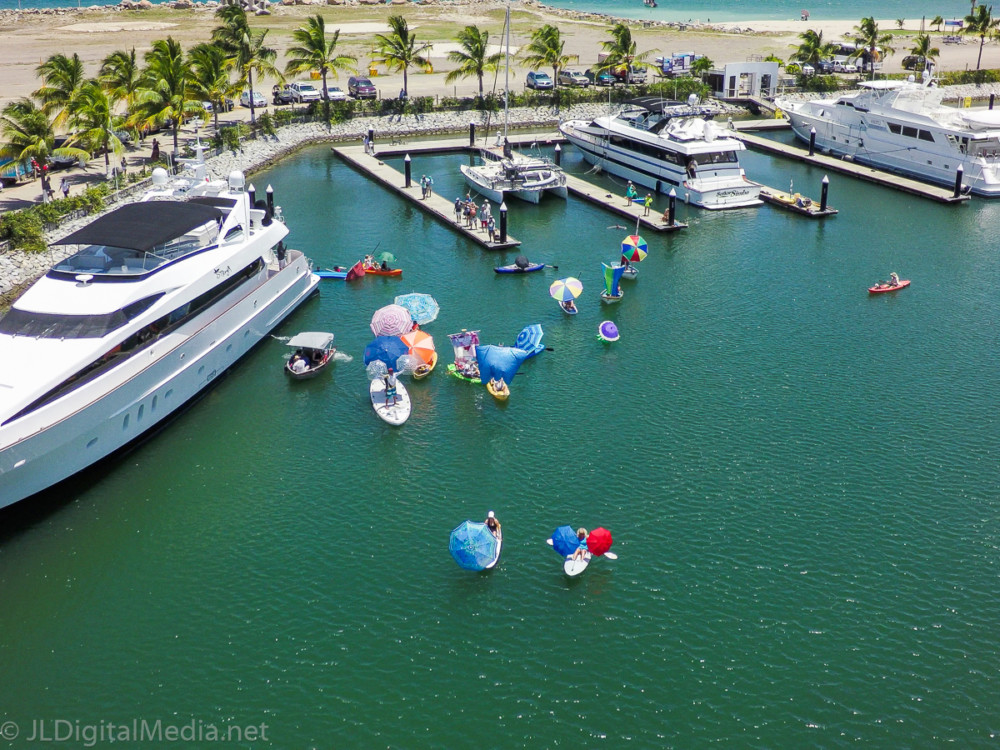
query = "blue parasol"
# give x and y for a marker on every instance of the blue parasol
(499, 362)
(564, 540)
(472, 545)
(530, 339)
(423, 307)
(387, 349)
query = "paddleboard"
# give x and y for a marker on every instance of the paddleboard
(574, 311)
(326, 273)
(496, 559)
(393, 414)
(575, 567)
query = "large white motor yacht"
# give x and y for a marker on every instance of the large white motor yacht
(666, 144)
(903, 127)
(159, 299)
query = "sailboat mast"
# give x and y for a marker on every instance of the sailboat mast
(506, 74)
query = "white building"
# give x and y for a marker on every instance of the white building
(744, 79)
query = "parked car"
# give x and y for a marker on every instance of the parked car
(258, 99)
(303, 91)
(602, 78)
(227, 105)
(336, 94)
(629, 74)
(538, 80)
(361, 88)
(845, 67)
(573, 78)
(825, 67)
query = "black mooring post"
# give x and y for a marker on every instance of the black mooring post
(503, 222)
(406, 170)
(958, 180)
(672, 209)
(558, 155)
(812, 142)
(472, 134)
(823, 195)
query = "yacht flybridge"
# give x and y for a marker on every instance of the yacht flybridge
(664, 144)
(902, 126)
(159, 299)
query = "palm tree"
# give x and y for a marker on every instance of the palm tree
(813, 49)
(473, 58)
(923, 49)
(701, 66)
(547, 48)
(93, 115)
(167, 93)
(938, 21)
(621, 49)
(870, 40)
(398, 50)
(61, 78)
(313, 51)
(982, 23)
(210, 77)
(120, 75)
(245, 49)
(899, 23)
(28, 134)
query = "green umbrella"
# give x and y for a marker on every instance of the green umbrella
(386, 256)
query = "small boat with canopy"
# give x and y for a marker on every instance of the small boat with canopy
(313, 351)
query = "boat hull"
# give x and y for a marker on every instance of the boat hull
(57, 441)
(883, 288)
(421, 371)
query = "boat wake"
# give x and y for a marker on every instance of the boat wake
(342, 357)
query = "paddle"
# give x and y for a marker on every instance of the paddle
(549, 265)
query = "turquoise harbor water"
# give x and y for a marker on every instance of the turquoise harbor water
(802, 482)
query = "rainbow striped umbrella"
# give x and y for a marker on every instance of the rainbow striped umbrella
(566, 289)
(634, 248)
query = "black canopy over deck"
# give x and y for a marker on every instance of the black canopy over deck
(143, 226)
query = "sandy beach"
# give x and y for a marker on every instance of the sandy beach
(26, 39)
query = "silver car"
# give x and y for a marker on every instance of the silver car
(573, 78)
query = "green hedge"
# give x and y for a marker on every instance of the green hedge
(25, 229)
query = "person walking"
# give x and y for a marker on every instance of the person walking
(648, 204)
(423, 186)
(430, 185)
(458, 210)
(630, 194)
(64, 187)
(155, 154)
(491, 227)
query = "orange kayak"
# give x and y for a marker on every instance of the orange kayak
(880, 288)
(380, 272)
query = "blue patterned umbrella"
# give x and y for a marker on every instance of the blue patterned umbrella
(530, 339)
(423, 307)
(564, 540)
(472, 545)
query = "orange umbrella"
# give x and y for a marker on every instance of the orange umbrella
(421, 345)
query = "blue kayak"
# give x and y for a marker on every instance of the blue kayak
(514, 268)
(326, 273)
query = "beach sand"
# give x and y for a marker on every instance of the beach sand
(27, 39)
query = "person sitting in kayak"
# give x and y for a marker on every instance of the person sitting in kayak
(390, 387)
(568, 305)
(385, 266)
(581, 541)
(493, 524)
(893, 279)
(368, 262)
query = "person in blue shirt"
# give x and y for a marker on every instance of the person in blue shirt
(581, 540)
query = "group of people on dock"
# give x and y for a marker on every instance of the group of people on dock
(466, 213)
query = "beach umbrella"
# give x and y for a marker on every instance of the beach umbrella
(634, 248)
(599, 541)
(564, 540)
(472, 545)
(386, 349)
(423, 307)
(391, 320)
(376, 369)
(386, 256)
(566, 289)
(421, 346)
(607, 331)
(530, 339)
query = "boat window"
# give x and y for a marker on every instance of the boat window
(926, 136)
(909, 132)
(52, 326)
(895, 127)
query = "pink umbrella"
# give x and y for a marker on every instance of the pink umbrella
(391, 320)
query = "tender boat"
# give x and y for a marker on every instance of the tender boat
(422, 370)
(313, 352)
(882, 287)
(159, 299)
(903, 127)
(666, 144)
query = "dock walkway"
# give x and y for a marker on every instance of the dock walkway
(435, 205)
(861, 172)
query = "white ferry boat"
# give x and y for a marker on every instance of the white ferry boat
(664, 145)
(903, 127)
(159, 299)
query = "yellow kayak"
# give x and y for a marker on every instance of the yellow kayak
(499, 391)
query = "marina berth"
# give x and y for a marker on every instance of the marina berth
(160, 298)
(664, 145)
(902, 127)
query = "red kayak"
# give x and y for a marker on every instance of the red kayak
(880, 288)
(380, 272)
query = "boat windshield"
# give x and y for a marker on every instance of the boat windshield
(107, 260)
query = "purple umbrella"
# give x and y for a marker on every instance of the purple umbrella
(607, 331)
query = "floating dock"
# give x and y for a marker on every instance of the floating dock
(853, 169)
(795, 203)
(616, 204)
(434, 204)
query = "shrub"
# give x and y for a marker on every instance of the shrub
(266, 123)
(24, 230)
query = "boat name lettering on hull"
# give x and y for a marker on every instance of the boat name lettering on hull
(221, 273)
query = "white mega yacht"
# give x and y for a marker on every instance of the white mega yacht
(903, 127)
(666, 144)
(159, 299)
